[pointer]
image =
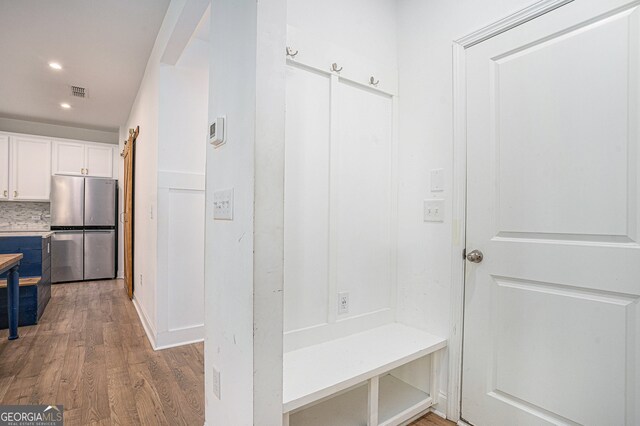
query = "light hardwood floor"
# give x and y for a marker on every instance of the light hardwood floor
(432, 419)
(90, 353)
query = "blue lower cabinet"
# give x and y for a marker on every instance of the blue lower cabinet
(28, 313)
(35, 263)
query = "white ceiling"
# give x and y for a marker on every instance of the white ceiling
(103, 45)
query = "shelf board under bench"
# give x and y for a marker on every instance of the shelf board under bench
(397, 400)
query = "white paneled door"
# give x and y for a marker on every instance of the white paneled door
(552, 322)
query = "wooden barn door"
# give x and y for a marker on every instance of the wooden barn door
(129, 162)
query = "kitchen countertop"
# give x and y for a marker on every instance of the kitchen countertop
(9, 259)
(25, 233)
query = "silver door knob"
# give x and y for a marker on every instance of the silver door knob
(475, 256)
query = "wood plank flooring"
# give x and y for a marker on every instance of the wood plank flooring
(432, 419)
(90, 353)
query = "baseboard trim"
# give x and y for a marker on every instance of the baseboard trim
(146, 324)
(171, 338)
(180, 337)
(175, 345)
(441, 407)
(438, 413)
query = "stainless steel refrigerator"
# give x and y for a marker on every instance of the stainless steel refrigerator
(83, 216)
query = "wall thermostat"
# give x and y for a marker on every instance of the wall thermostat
(217, 132)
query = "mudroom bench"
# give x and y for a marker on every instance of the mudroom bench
(376, 377)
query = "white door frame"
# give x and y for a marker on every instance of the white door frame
(459, 194)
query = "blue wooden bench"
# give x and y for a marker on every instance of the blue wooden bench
(35, 278)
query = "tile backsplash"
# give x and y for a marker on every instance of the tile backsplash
(22, 215)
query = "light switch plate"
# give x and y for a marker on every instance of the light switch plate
(437, 180)
(223, 204)
(215, 382)
(434, 210)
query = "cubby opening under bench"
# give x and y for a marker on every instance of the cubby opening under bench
(384, 376)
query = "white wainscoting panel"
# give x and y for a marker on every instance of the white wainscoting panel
(306, 231)
(181, 210)
(364, 199)
(340, 191)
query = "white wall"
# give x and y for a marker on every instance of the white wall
(15, 125)
(426, 30)
(244, 260)
(363, 26)
(339, 183)
(171, 110)
(184, 93)
(144, 113)
(182, 142)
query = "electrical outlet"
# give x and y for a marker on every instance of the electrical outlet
(223, 205)
(140, 280)
(437, 180)
(434, 210)
(343, 303)
(215, 383)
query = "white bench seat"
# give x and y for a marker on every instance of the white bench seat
(316, 372)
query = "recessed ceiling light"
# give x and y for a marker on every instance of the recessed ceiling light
(55, 65)
(65, 105)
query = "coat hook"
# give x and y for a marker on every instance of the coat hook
(291, 53)
(334, 67)
(373, 81)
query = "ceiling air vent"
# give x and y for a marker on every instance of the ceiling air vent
(79, 92)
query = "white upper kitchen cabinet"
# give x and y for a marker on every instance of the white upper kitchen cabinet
(98, 160)
(30, 169)
(68, 158)
(82, 159)
(4, 167)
